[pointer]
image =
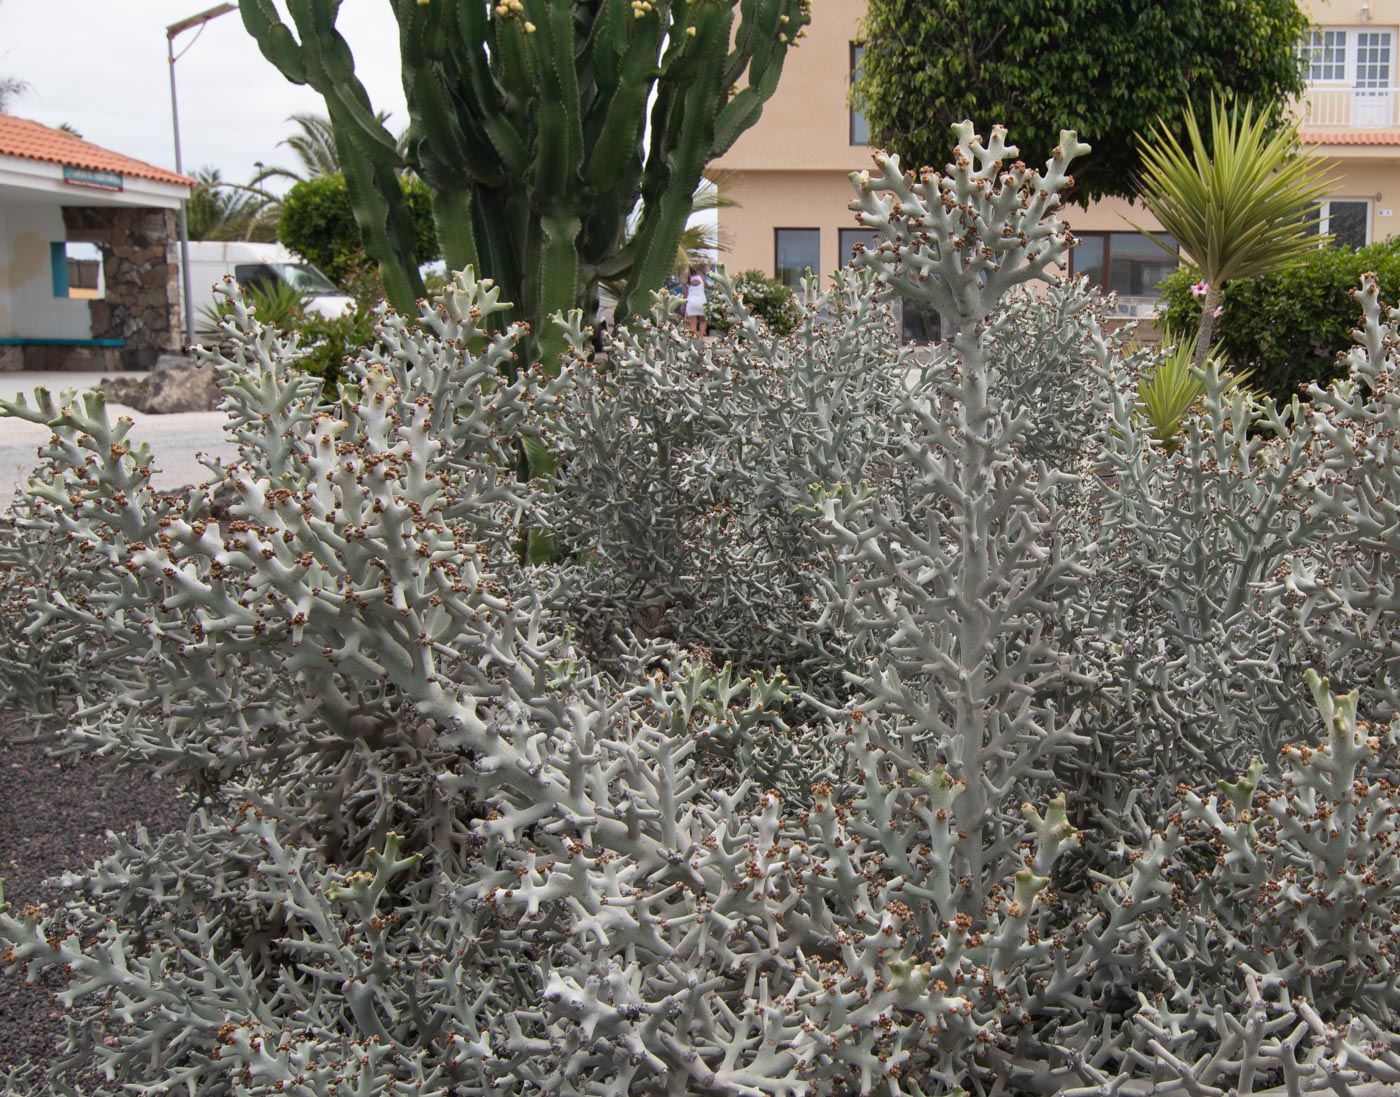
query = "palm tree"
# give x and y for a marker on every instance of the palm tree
(699, 244)
(1238, 211)
(314, 146)
(10, 89)
(219, 210)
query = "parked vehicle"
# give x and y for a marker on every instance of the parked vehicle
(259, 266)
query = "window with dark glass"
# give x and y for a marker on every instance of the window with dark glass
(860, 128)
(796, 251)
(851, 237)
(1347, 220)
(1348, 223)
(1125, 263)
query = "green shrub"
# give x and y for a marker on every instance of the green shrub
(330, 339)
(279, 305)
(338, 337)
(1287, 329)
(767, 298)
(319, 223)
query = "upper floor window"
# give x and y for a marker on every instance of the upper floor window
(1349, 55)
(860, 128)
(1325, 55)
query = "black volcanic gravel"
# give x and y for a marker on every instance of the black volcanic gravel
(54, 817)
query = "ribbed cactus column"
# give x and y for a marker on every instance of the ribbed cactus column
(528, 121)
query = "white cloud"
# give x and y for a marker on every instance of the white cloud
(100, 65)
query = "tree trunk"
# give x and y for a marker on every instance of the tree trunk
(1207, 328)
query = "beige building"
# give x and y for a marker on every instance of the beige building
(789, 173)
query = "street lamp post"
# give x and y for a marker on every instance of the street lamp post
(171, 32)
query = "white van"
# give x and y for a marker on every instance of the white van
(258, 265)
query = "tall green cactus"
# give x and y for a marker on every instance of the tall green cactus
(528, 121)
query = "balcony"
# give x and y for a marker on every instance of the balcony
(1338, 108)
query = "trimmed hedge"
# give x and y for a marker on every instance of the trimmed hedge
(1289, 328)
(319, 223)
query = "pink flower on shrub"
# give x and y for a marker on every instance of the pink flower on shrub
(1200, 289)
(1219, 309)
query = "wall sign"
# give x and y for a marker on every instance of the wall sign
(92, 178)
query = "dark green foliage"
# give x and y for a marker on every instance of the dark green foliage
(767, 299)
(328, 339)
(278, 304)
(1287, 329)
(543, 130)
(1104, 68)
(339, 337)
(318, 221)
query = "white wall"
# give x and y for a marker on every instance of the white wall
(28, 307)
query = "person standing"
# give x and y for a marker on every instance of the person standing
(695, 303)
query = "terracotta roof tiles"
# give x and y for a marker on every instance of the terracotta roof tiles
(1350, 137)
(33, 141)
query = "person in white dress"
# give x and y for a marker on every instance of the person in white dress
(695, 303)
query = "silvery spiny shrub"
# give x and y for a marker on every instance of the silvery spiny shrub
(684, 469)
(443, 850)
(1201, 667)
(1344, 588)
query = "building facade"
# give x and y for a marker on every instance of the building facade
(789, 174)
(88, 253)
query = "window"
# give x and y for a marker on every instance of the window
(851, 237)
(918, 322)
(1325, 55)
(254, 276)
(796, 252)
(1125, 263)
(860, 128)
(1340, 55)
(1352, 76)
(1347, 219)
(1372, 69)
(77, 271)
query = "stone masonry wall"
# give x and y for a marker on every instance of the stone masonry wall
(141, 270)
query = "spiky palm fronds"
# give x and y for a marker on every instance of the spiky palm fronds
(1237, 210)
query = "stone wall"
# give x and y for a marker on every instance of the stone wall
(32, 356)
(140, 267)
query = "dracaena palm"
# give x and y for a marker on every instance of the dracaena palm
(1242, 208)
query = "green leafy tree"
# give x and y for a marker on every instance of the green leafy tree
(318, 221)
(543, 129)
(1238, 207)
(1106, 69)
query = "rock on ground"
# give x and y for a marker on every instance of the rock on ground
(177, 384)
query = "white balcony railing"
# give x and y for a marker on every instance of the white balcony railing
(1349, 108)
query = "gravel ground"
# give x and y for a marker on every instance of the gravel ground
(54, 818)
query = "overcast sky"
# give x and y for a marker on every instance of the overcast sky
(100, 66)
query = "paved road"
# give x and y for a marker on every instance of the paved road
(174, 439)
